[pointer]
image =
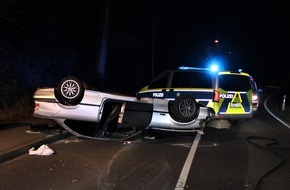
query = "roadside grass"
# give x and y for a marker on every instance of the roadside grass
(15, 106)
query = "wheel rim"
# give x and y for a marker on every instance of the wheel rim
(70, 89)
(187, 107)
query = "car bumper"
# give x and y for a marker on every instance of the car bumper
(233, 116)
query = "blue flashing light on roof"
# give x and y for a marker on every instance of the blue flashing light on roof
(214, 68)
(215, 64)
(192, 68)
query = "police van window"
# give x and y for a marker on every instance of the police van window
(234, 82)
(191, 80)
(160, 81)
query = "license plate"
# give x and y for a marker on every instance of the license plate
(235, 105)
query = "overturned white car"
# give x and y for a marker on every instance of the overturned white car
(94, 114)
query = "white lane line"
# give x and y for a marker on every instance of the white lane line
(266, 107)
(186, 167)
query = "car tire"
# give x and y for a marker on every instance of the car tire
(70, 91)
(184, 108)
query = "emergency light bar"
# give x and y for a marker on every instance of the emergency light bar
(213, 68)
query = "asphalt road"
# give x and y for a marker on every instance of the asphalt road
(227, 159)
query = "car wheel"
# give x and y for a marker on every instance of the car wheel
(184, 108)
(70, 91)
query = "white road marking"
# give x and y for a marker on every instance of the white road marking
(186, 167)
(266, 107)
(209, 145)
(179, 144)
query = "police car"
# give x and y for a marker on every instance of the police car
(232, 95)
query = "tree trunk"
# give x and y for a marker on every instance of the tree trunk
(104, 43)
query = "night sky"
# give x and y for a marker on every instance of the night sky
(253, 35)
(41, 42)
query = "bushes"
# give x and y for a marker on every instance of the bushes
(15, 104)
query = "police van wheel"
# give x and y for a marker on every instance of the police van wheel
(184, 108)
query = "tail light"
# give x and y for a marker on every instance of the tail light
(255, 101)
(216, 96)
(36, 106)
(254, 97)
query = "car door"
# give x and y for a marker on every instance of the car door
(198, 84)
(235, 96)
(158, 88)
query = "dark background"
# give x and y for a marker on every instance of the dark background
(44, 41)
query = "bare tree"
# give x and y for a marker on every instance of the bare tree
(104, 42)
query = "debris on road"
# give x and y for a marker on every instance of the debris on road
(42, 150)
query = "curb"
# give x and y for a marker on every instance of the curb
(24, 150)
